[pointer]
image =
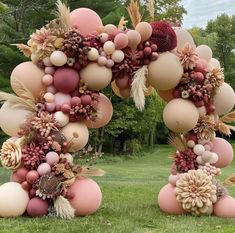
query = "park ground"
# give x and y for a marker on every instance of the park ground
(130, 189)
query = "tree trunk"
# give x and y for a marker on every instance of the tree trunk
(101, 139)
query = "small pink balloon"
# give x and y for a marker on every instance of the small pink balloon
(102, 61)
(61, 98)
(173, 179)
(51, 89)
(49, 70)
(121, 41)
(86, 99)
(224, 150)
(50, 107)
(15, 178)
(86, 20)
(75, 101)
(32, 192)
(25, 185)
(104, 37)
(47, 79)
(52, 158)
(167, 201)
(49, 97)
(201, 66)
(87, 196)
(105, 112)
(110, 29)
(43, 169)
(225, 207)
(134, 39)
(32, 176)
(21, 173)
(37, 207)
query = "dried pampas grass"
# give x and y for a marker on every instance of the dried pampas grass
(122, 23)
(134, 12)
(138, 87)
(25, 49)
(89, 171)
(150, 7)
(178, 142)
(63, 208)
(63, 13)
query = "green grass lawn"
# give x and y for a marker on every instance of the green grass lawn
(129, 189)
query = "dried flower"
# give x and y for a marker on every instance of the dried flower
(210, 170)
(188, 57)
(59, 43)
(49, 186)
(196, 192)
(185, 160)
(205, 128)
(32, 156)
(221, 191)
(42, 42)
(216, 78)
(11, 154)
(45, 123)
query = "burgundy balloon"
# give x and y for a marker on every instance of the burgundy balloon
(65, 108)
(86, 99)
(75, 101)
(37, 207)
(66, 80)
(122, 82)
(32, 176)
(25, 185)
(32, 192)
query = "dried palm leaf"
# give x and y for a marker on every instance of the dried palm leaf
(138, 87)
(223, 128)
(134, 12)
(178, 142)
(16, 101)
(150, 7)
(64, 15)
(122, 23)
(63, 208)
(88, 171)
(228, 118)
(230, 181)
(25, 49)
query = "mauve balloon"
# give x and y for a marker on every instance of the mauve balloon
(37, 207)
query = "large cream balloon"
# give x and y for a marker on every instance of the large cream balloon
(13, 200)
(11, 118)
(224, 99)
(96, 77)
(30, 76)
(183, 37)
(166, 72)
(204, 51)
(180, 115)
(76, 135)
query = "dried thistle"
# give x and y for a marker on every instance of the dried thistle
(188, 57)
(151, 9)
(221, 191)
(205, 128)
(25, 49)
(134, 12)
(138, 87)
(178, 142)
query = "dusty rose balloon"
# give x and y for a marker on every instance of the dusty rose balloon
(32, 176)
(47, 79)
(96, 77)
(37, 207)
(50, 107)
(123, 81)
(125, 92)
(13, 200)
(76, 135)
(22, 173)
(224, 150)
(180, 115)
(105, 113)
(87, 196)
(201, 66)
(166, 95)
(9, 123)
(183, 37)
(52, 158)
(15, 178)
(204, 51)
(173, 179)
(110, 29)
(25, 185)
(30, 76)
(61, 98)
(43, 169)
(225, 207)
(224, 99)
(86, 20)
(166, 72)
(145, 30)
(167, 201)
(134, 39)
(121, 41)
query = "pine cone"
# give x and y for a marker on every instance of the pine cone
(11, 154)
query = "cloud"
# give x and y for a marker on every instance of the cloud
(201, 11)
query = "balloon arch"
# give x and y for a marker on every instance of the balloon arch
(58, 98)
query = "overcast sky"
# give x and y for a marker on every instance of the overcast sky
(200, 11)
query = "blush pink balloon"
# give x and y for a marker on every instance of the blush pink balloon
(37, 207)
(86, 20)
(105, 113)
(43, 169)
(224, 151)
(21, 173)
(121, 41)
(86, 195)
(167, 200)
(61, 98)
(32, 176)
(225, 207)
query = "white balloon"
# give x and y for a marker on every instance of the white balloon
(183, 37)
